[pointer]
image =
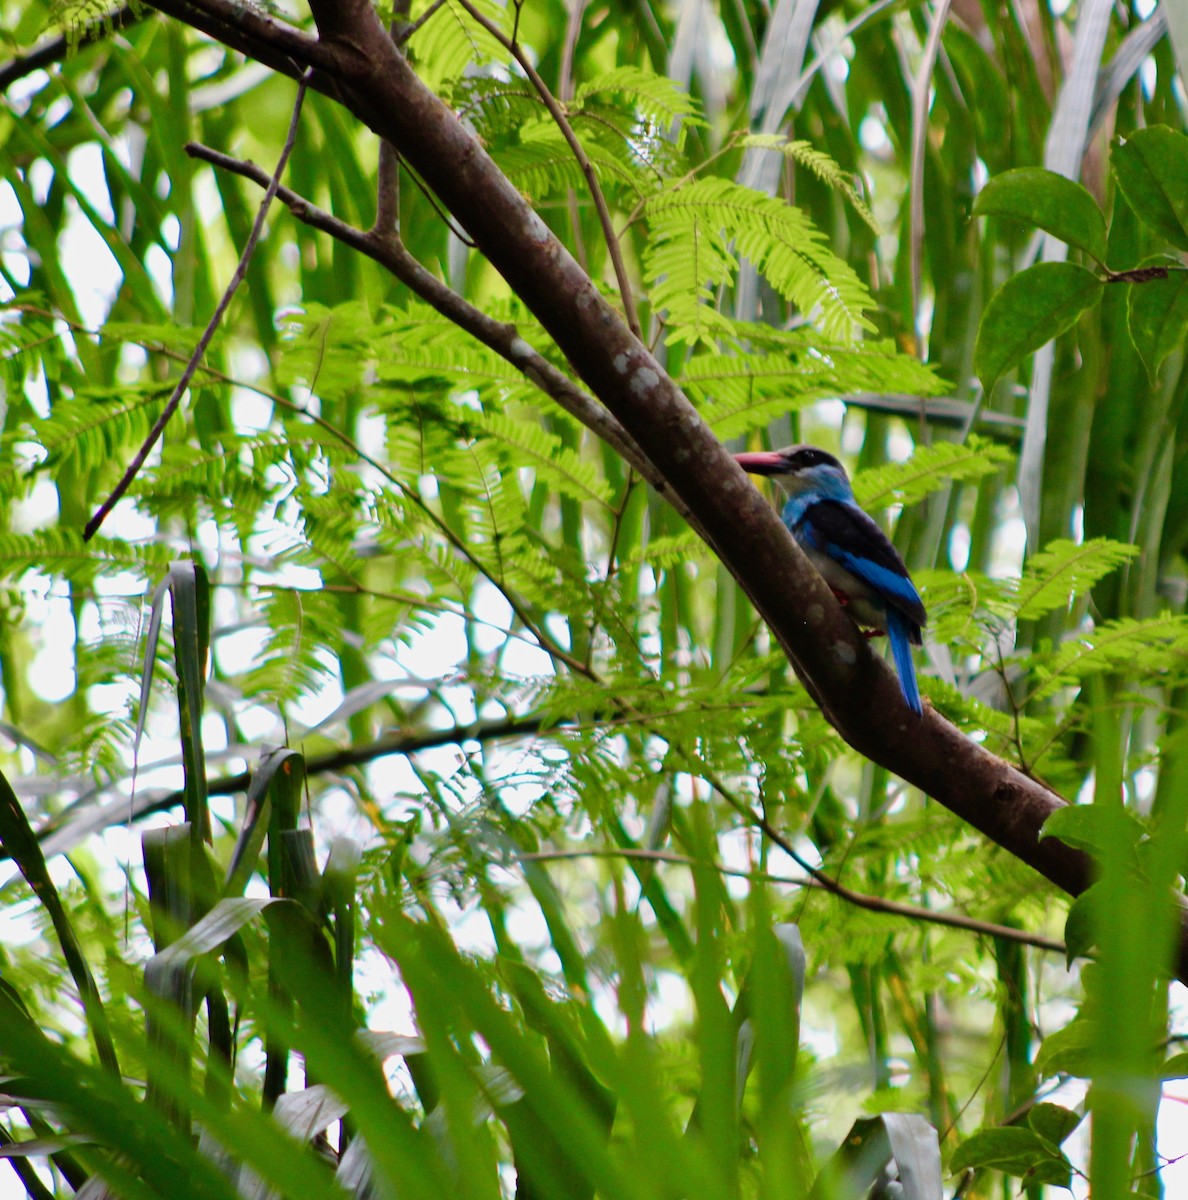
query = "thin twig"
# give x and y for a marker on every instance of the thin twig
(387, 191)
(618, 514)
(412, 28)
(822, 883)
(575, 10)
(583, 161)
(208, 333)
(861, 899)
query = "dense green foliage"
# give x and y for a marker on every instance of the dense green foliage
(550, 817)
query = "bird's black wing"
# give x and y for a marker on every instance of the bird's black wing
(853, 539)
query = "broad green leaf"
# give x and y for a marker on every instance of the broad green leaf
(1069, 1050)
(189, 593)
(1053, 1122)
(1157, 316)
(1052, 202)
(1030, 309)
(1093, 827)
(1080, 926)
(1151, 167)
(281, 771)
(216, 928)
(1010, 1149)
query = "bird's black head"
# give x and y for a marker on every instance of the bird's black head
(792, 460)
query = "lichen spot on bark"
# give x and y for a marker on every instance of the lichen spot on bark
(844, 653)
(621, 362)
(519, 350)
(643, 381)
(536, 229)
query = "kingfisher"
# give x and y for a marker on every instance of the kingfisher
(853, 555)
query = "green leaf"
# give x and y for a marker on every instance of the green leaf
(452, 41)
(20, 843)
(1012, 1150)
(217, 927)
(276, 783)
(1080, 926)
(1175, 1067)
(1152, 170)
(1070, 1051)
(1144, 649)
(697, 232)
(928, 470)
(1052, 202)
(189, 592)
(1157, 316)
(1030, 309)
(1053, 1122)
(824, 167)
(1065, 569)
(1094, 828)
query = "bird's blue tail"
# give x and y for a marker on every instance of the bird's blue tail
(899, 631)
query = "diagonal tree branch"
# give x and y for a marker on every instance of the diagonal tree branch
(253, 33)
(857, 692)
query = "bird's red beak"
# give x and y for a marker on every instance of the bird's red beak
(762, 462)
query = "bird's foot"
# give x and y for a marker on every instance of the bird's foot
(842, 599)
(873, 633)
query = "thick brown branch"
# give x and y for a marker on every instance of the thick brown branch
(253, 33)
(858, 692)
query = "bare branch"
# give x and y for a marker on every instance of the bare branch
(253, 32)
(67, 829)
(823, 883)
(858, 693)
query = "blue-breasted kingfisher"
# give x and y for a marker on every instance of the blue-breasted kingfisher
(853, 555)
